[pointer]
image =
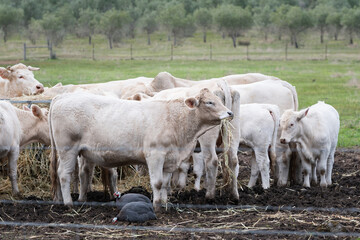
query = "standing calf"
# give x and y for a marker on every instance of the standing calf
(19, 128)
(315, 131)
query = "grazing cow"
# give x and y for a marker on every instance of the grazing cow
(17, 129)
(19, 80)
(315, 131)
(112, 132)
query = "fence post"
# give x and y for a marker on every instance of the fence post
(51, 51)
(210, 51)
(93, 52)
(247, 52)
(172, 52)
(24, 51)
(286, 49)
(325, 51)
(131, 56)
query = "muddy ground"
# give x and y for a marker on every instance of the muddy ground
(344, 193)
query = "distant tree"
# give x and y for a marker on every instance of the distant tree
(87, 22)
(173, 18)
(333, 22)
(112, 23)
(233, 20)
(204, 20)
(262, 19)
(149, 24)
(10, 17)
(53, 28)
(279, 19)
(297, 21)
(33, 9)
(66, 15)
(34, 30)
(135, 14)
(321, 12)
(351, 21)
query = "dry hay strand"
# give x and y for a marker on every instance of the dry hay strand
(226, 133)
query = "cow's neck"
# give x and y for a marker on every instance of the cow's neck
(28, 127)
(5, 89)
(187, 124)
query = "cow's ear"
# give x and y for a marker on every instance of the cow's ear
(33, 68)
(26, 108)
(4, 73)
(192, 102)
(58, 84)
(36, 111)
(303, 114)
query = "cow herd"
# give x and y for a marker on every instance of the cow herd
(157, 122)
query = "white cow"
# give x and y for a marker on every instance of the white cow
(258, 129)
(208, 140)
(111, 132)
(315, 131)
(120, 89)
(19, 128)
(19, 80)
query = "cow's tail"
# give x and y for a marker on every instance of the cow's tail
(275, 114)
(53, 158)
(294, 93)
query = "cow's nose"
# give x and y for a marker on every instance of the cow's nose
(282, 140)
(39, 88)
(230, 114)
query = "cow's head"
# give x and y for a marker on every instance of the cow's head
(41, 126)
(290, 125)
(210, 107)
(22, 80)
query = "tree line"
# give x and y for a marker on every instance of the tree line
(118, 19)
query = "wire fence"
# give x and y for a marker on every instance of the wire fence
(168, 52)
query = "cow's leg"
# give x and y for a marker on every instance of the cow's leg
(234, 167)
(198, 169)
(263, 162)
(165, 188)
(283, 155)
(321, 165)
(183, 172)
(254, 172)
(329, 167)
(211, 165)
(85, 169)
(306, 169)
(113, 175)
(313, 174)
(67, 161)
(12, 158)
(155, 162)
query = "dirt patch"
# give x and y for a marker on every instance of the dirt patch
(344, 193)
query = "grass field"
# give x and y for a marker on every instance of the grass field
(335, 82)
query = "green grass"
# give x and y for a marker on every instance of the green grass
(314, 80)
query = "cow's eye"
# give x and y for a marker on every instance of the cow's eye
(21, 76)
(209, 103)
(291, 125)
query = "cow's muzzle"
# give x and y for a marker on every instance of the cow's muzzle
(228, 114)
(283, 140)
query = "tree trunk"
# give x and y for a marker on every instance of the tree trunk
(336, 36)
(223, 35)
(169, 37)
(351, 39)
(174, 39)
(148, 38)
(295, 42)
(5, 34)
(110, 42)
(204, 37)
(233, 37)
(321, 35)
(89, 39)
(266, 36)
